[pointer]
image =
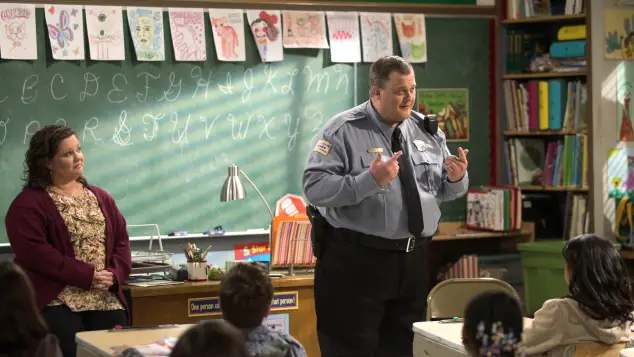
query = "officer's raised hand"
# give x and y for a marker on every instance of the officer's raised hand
(385, 172)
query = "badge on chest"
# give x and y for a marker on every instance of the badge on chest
(419, 144)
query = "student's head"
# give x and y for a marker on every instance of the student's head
(246, 292)
(21, 324)
(597, 278)
(493, 325)
(214, 338)
(392, 88)
(54, 155)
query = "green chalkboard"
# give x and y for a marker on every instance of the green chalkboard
(159, 136)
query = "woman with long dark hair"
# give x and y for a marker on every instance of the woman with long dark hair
(598, 307)
(23, 332)
(70, 239)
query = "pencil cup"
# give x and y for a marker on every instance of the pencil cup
(197, 271)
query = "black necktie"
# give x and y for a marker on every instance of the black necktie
(409, 187)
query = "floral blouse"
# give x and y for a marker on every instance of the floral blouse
(87, 227)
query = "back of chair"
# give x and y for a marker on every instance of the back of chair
(450, 297)
(598, 350)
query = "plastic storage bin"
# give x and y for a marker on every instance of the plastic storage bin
(543, 267)
(544, 276)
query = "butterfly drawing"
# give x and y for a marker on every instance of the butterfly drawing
(62, 32)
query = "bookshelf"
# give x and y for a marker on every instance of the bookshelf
(544, 111)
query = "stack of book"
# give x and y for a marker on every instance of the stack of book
(292, 245)
(494, 208)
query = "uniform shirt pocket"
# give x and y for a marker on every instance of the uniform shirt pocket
(428, 171)
(366, 160)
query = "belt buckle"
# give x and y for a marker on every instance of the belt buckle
(410, 244)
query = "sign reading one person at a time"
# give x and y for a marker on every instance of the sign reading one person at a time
(209, 306)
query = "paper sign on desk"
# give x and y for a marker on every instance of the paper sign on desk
(277, 322)
(253, 251)
(156, 348)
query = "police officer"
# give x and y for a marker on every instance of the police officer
(374, 179)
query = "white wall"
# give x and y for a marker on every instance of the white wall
(604, 117)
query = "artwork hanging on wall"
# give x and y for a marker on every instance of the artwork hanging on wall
(619, 34)
(624, 79)
(451, 106)
(620, 172)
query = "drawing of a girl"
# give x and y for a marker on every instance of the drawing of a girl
(264, 31)
(147, 28)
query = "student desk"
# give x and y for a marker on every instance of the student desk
(432, 338)
(195, 301)
(435, 339)
(100, 343)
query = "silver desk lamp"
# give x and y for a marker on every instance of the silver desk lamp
(233, 190)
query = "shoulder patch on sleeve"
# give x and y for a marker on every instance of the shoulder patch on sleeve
(323, 147)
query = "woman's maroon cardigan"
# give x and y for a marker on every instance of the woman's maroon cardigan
(42, 246)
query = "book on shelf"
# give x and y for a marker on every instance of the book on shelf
(561, 162)
(291, 243)
(519, 9)
(554, 104)
(494, 208)
(576, 215)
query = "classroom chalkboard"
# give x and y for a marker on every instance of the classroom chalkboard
(159, 136)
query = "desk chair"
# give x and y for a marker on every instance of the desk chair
(450, 297)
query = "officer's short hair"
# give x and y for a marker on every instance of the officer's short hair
(246, 292)
(381, 69)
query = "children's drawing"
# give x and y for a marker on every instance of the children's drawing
(619, 34)
(451, 107)
(228, 29)
(188, 34)
(146, 27)
(376, 35)
(304, 29)
(66, 31)
(410, 29)
(105, 33)
(17, 31)
(343, 30)
(621, 172)
(265, 26)
(624, 79)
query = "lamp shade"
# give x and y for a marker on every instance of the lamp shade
(232, 189)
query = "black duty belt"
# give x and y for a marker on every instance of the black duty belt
(372, 241)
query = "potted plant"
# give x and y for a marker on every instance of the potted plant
(196, 262)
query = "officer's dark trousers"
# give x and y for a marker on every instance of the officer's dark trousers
(367, 299)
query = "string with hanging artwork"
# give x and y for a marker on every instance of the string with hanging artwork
(272, 30)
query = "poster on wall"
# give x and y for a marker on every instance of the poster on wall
(619, 33)
(620, 171)
(624, 76)
(451, 106)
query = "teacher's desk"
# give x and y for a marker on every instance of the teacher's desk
(172, 304)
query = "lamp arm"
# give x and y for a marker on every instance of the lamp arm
(258, 191)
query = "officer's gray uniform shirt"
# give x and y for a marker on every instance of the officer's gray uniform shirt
(337, 177)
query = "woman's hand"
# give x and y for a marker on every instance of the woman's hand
(102, 280)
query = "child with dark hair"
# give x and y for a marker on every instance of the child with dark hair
(23, 332)
(597, 309)
(493, 325)
(214, 338)
(246, 292)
